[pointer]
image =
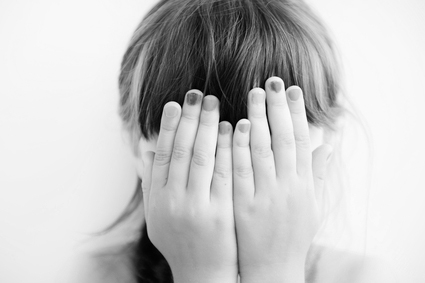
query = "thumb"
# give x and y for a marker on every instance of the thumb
(321, 156)
(147, 159)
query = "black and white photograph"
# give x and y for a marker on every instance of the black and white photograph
(212, 141)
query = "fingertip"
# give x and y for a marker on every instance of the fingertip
(224, 128)
(293, 88)
(171, 109)
(210, 102)
(225, 135)
(194, 90)
(193, 97)
(295, 93)
(172, 103)
(243, 126)
(257, 90)
(276, 84)
(256, 96)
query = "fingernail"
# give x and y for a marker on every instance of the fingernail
(243, 128)
(209, 104)
(276, 86)
(224, 128)
(193, 98)
(294, 94)
(170, 111)
(257, 97)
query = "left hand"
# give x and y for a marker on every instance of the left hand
(276, 213)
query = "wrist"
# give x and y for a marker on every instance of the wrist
(274, 273)
(205, 275)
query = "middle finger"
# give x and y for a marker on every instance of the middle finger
(185, 138)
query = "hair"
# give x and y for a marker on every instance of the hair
(225, 48)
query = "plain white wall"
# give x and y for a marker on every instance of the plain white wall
(383, 44)
(65, 170)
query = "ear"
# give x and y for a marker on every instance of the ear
(316, 136)
(321, 157)
(145, 152)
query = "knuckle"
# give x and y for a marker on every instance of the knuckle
(200, 158)
(243, 171)
(180, 152)
(297, 109)
(189, 117)
(168, 126)
(258, 114)
(279, 104)
(224, 145)
(207, 122)
(302, 140)
(285, 139)
(243, 143)
(262, 150)
(222, 172)
(162, 156)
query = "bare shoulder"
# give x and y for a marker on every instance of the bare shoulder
(342, 266)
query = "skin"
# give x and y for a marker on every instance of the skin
(218, 204)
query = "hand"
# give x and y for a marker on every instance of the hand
(276, 213)
(188, 201)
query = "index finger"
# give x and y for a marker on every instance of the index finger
(164, 148)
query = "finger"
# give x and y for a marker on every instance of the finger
(164, 147)
(321, 156)
(260, 143)
(243, 177)
(202, 165)
(279, 117)
(185, 138)
(147, 158)
(301, 131)
(222, 183)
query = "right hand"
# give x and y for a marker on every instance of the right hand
(188, 201)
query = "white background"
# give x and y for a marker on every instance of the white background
(65, 170)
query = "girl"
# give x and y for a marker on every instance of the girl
(217, 203)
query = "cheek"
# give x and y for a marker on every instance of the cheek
(138, 164)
